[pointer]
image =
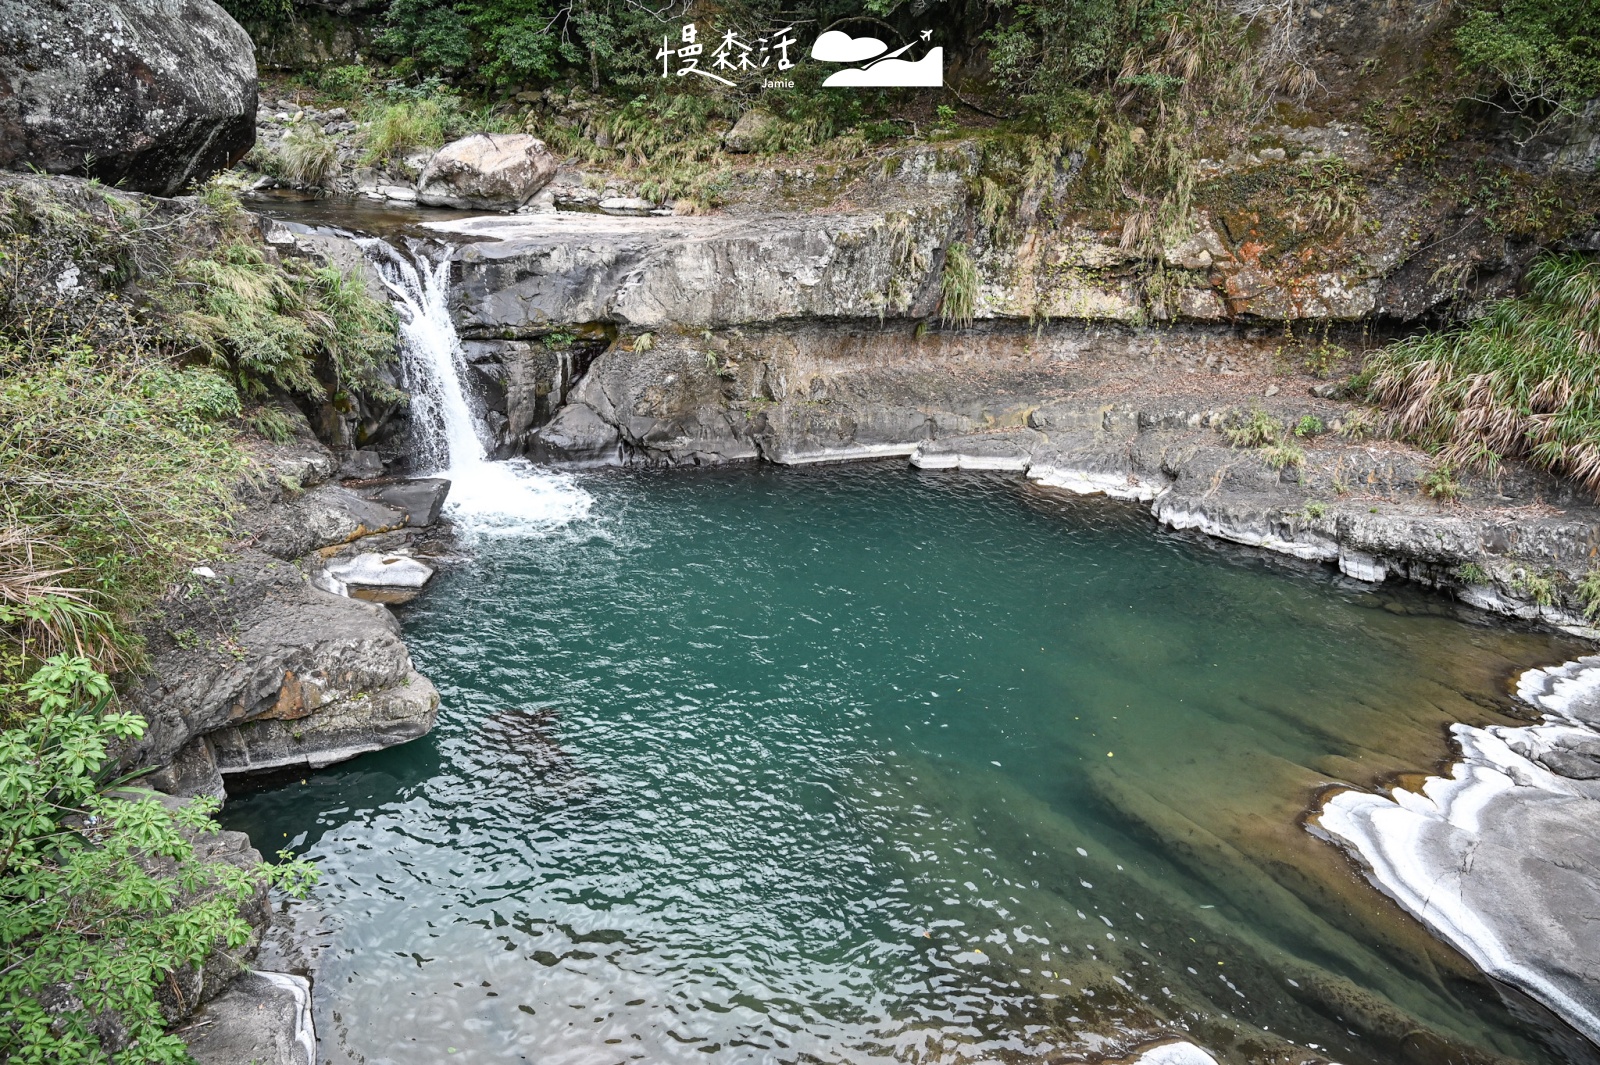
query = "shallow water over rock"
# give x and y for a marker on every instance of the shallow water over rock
(860, 763)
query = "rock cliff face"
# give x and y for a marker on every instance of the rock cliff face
(145, 94)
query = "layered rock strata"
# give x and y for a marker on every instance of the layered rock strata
(260, 662)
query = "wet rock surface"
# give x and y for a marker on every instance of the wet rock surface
(262, 661)
(150, 95)
(263, 1018)
(1498, 857)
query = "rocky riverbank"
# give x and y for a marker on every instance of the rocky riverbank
(279, 657)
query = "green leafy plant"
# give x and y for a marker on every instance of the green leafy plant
(1441, 483)
(958, 286)
(1309, 426)
(102, 895)
(1539, 587)
(1545, 53)
(1589, 594)
(1471, 573)
(1257, 429)
(1518, 381)
(1316, 510)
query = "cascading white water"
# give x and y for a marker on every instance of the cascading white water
(485, 496)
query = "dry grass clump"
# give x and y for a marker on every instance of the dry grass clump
(1520, 381)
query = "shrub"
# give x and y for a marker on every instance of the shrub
(1520, 380)
(1309, 426)
(1471, 573)
(1546, 53)
(1589, 594)
(1441, 484)
(102, 896)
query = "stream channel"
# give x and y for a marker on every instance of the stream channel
(859, 763)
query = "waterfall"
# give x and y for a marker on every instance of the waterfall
(513, 496)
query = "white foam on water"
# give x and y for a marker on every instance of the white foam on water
(513, 497)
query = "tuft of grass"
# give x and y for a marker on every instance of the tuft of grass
(958, 286)
(1285, 454)
(308, 157)
(1471, 573)
(1518, 381)
(407, 122)
(1258, 429)
(271, 322)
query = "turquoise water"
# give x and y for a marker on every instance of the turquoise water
(858, 763)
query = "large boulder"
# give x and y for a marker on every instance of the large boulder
(495, 171)
(145, 94)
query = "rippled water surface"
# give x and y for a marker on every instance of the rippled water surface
(859, 763)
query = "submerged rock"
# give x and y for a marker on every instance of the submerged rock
(150, 95)
(489, 170)
(1501, 859)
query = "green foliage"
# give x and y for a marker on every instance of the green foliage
(1521, 380)
(308, 156)
(1545, 53)
(260, 12)
(1441, 483)
(1284, 454)
(350, 82)
(1471, 573)
(1538, 587)
(502, 43)
(118, 415)
(1589, 594)
(1257, 429)
(958, 286)
(1309, 426)
(1327, 195)
(399, 127)
(270, 322)
(1149, 85)
(1316, 510)
(102, 896)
